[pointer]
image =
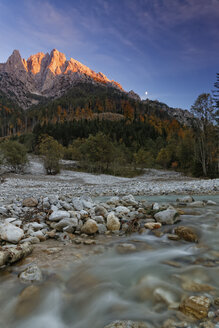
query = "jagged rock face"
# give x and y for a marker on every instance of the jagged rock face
(44, 75)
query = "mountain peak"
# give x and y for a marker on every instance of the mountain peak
(48, 75)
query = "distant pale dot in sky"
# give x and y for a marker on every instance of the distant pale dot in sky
(146, 93)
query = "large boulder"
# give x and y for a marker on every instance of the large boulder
(30, 202)
(168, 216)
(113, 222)
(11, 233)
(59, 215)
(90, 227)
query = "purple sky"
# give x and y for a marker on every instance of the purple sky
(169, 48)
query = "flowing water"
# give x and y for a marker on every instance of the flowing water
(145, 284)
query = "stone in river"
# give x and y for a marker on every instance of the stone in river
(196, 306)
(185, 199)
(31, 274)
(186, 233)
(152, 225)
(168, 216)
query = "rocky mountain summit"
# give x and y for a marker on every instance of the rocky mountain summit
(45, 75)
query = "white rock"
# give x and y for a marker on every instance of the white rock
(211, 202)
(77, 203)
(11, 233)
(59, 215)
(122, 210)
(168, 216)
(185, 199)
(113, 201)
(113, 222)
(129, 200)
(156, 206)
(198, 203)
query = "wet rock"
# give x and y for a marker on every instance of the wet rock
(193, 286)
(161, 294)
(186, 233)
(125, 248)
(27, 301)
(172, 236)
(153, 225)
(89, 242)
(196, 306)
(102, 228)
(127, 324)
(90, 227)
(211, 202)
(216, 301)
(156, 207)
(113, 223)
(168, 216)
(11, 233)
(198, 203)
(30, 202)
(73, 222)
(129, 200)
(170, 323)
(31, 274)
(207, 324)
(59, 215)
(185, 199)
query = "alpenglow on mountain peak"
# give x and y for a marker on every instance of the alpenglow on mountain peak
(45, 75)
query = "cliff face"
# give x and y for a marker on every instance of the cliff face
(45, 75)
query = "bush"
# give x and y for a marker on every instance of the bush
(14, 155)
(51, 152)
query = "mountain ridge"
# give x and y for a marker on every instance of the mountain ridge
(46, 75)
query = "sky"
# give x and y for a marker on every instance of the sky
(168, 49)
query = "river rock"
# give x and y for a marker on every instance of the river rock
(30, 202)
(31, 274)
(129, 200)
(186, 233)
(90, 227)
(168, 216)
(113, 222)
(161, 294)
(153, 225)
(4, 257)
(185, 199)
(127, 324)
(73, 222)
(125, 248)
(77, 203)
(101, 211)
(196, 306)
(198, 203)
(113, 201)
(122, 210)
(59, 215)
(211, 202)
(17, 253)
(11, 233)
